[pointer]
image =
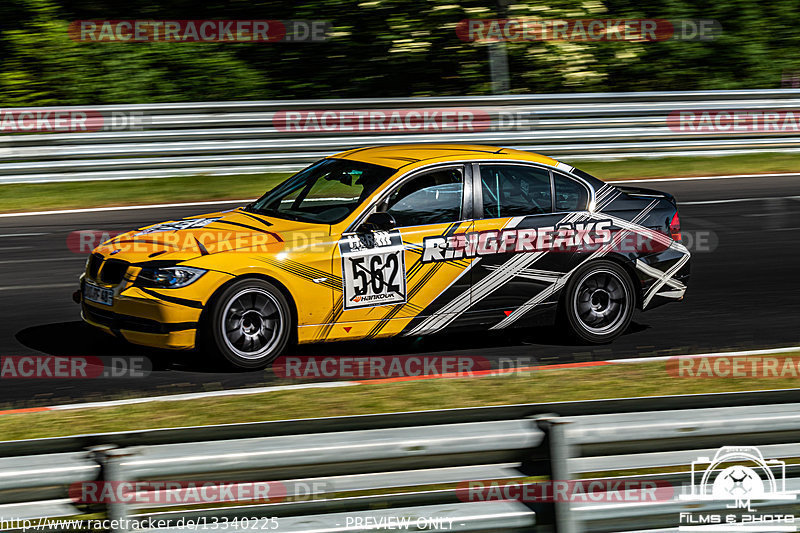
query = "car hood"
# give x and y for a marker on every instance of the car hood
(225, 231)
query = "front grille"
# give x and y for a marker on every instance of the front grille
(95, 260)
(113, 271)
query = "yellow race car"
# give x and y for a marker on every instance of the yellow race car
(399, 240)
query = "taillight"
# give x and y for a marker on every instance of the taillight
(675, 227)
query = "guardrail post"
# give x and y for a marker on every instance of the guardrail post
(559, 468)
(109, 457)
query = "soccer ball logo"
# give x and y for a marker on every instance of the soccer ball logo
(738, 483)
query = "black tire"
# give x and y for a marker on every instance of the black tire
(598, 302)
(248, 325)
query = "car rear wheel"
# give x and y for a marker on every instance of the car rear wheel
(598, 302)
(249, 324)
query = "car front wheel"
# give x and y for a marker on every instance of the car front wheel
(249, 324)
(598, 302)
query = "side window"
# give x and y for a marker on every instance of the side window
(510, 190)
(570, 195)
(431, 198)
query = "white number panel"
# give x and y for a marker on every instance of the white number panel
(373, 269)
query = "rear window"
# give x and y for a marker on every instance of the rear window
(570, 195)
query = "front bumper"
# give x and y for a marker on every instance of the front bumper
(161, 318)
(176, 336)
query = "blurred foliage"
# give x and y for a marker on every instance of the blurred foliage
(381, 48)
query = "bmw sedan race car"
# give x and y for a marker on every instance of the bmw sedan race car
(393, 241)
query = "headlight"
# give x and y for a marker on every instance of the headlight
(169, 277)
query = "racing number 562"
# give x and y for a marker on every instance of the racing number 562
(371, 274)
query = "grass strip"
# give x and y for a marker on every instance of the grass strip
(623, 380)
(82, 194)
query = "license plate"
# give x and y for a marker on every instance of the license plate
(93, 293)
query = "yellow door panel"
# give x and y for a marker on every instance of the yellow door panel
(384, 278)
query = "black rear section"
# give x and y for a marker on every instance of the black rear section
(657, 211)
(635, 199)
(635, 228)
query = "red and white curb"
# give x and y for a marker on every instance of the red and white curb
(337, 384)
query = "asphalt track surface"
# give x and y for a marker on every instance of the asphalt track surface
(743, 295)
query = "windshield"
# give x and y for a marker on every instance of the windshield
(327, 192)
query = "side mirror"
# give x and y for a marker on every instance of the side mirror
(377, 222)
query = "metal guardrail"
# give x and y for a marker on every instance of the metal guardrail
(213, 138)
(337, 471)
